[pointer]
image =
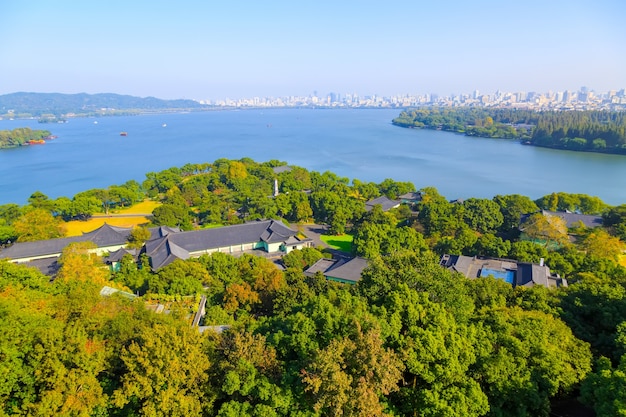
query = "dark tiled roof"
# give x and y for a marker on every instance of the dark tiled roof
(275, 232)
(269, 231)
(21, 250)
(119, 254)
(179, 245)
(457, 263)
(349, 270)
(322, 265)
(571, 219)
(162, 231)
(105, 235)
(529, 274)
(385, 202)
(162, 252)
(47, 266)
(526, 274)
(412, 196)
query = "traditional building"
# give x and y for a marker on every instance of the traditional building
(270, 236)
(345, 271)
(516, 273)
(386, 203)
(165, 245)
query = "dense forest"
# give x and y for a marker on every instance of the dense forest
(56, 104)
(21, 136)
(593, 131)
(410, 338)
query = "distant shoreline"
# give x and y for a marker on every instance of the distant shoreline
(524, 142)
(121, 113)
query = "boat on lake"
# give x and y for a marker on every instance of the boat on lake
(123, 134)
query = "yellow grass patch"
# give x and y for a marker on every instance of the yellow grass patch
(145, 207)
(116, 218)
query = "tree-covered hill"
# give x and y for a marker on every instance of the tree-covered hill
(409, 338)
(38, 104)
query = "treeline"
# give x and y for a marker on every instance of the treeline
(598, 131)
(582, 131)
(411, 338)
(20, 136)
(57, 104)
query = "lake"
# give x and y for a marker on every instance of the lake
(354, 143)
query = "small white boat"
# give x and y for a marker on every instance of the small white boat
(164, 125)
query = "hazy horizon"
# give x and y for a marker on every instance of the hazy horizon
(204, 51)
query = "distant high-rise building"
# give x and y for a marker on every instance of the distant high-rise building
(559, 96)
(567, 96)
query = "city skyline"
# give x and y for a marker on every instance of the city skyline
(199, 50)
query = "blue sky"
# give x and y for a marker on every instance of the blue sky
(212, 50)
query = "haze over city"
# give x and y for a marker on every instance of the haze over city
(216, 50)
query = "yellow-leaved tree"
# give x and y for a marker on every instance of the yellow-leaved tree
(79, 262)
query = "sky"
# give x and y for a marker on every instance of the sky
(208, 50)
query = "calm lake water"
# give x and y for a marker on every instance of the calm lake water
(359, 143)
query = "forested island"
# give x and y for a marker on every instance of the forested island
(410, 337)
(590, 131)
(22, 136)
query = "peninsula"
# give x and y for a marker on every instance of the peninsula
(588, 131)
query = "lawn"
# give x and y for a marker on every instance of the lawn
(340, 242)
(145, 207)
(117, 218)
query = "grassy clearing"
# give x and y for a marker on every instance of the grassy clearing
(78, 227)
(144, 207)
(341, 242)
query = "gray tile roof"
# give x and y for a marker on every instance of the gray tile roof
(322, 265)
(458, 263)
(47, 266)
(571, 219)
(269, 231)
(529, 274)
(412, 196)
(526, 274)
(105, 235)
(385, 202)
(162, 231)
(164, 250)
(119, 254)
(348, 270)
